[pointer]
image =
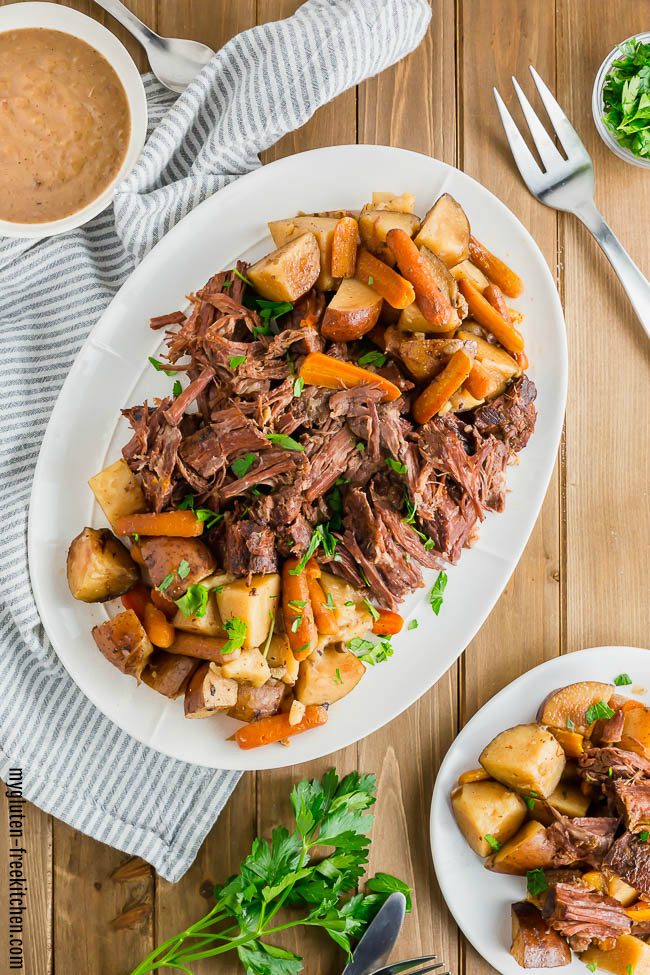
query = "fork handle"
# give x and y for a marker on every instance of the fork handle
(635, 285)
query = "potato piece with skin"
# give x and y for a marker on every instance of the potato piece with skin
(99, 567)
(412, 320)
(252, 604)
(636, 731)
(352, 616)
(571, 703)
(404, 203)
(168, 673)
(289, 272)
(529, 849)
(487, 807)
(568, 800)
(258, 702)
(117, 491)
(208, 692)
(424, 357)
(327, 675)
(445, 231)
(496, 360)
(210, 624)
(162, 556)
(352, 312)
(124, 642)
(279, 655)
(527, 758)
(472, 272)
(322, 228)
(534, 942)
(630, 954)
(374, 226)
(448, 285)
(249, 666)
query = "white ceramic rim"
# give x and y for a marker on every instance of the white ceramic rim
(54, 16)
(341, 170)
(464, 882)
(597, 106)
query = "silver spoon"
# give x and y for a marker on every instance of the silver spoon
(174, 61)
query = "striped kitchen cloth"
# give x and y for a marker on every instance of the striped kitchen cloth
(76, 764)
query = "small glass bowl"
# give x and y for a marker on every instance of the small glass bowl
(606, 134)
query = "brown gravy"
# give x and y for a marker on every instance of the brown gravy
(64, 124)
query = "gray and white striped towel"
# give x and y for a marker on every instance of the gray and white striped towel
(264, 83)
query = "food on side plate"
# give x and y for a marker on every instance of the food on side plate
(63, 140)
(336, 424)
(565, 802)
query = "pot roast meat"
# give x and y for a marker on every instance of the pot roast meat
(151, 452)
(583, 915)
(249, 548)
(629, 859)
(511, 417)
(606, 764)
(633, 799)
(581, 840)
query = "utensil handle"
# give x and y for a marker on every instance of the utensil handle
(139, 30)
(635, 285)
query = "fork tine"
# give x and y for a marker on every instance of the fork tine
(547, 151)
(401, 968)
(571, 141)
(526, 164)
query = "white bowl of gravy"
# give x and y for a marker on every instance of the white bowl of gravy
(73, 118)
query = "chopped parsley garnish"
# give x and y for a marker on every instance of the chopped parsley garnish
(371, 653)
(373, 358)
(236, 630)
(273, 309)
(371, 280)
(295, 626)
(183, 569)
(436, 594)
(298, 386)
(265, 651)
(361, 446)
(236, 361)
(160, 367)
(363, 575)
(245, 280)
(645, 835)
(371, 609)
(358, 645)
(622, 680)
(167, 581)
(242, 465)
(208, 516)
(530, 802)
(338, 679)
(592, 966)
(626, 98)
(187, 503)
(413, 625)
(297, 603)
(194, 602)
(410, 508)
(349, 602)
(629, 969)
(396, 465)
(536, 882)
(305, 646)
(570, 725)
(135, 537)
(330, 601)
(281, 440)
(491, 841)
(321, 535)
(177, 389)
(598, 711)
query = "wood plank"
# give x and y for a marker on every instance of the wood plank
(36, 841)
(608, 456)
(413, 105)
(201, 20)
(495, 41)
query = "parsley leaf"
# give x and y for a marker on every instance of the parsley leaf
(236, 361)
(570, 725)
(536, 882)
(209, 516)
(236, 630)
(242, 465)
(413, 625)
(396, 465)
(436, 594)
(167, 581)
(371, 609)
(183, 569)
(597, 711)
(281, 440)
(321, 535)
(338, 679)
(177, 389)
(160, 367)
(491, 841)
(187, 503)
(240, 275)
(645, 836)
(373, 358)
(194, 602)
(592, 966)
(622, 680)
(298, 386)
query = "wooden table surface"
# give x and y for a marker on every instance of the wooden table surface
(583, 579)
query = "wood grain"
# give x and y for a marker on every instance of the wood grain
(583, 577)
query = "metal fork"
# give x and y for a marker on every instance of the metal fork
(568, 184)
(406, 967)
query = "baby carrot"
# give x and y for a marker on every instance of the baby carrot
(490, 319)
(158, 628)
(388, 623)
(395, 289)
(494, 269)
(345, 241)
(136, 599)
(297, 610)
(277, 726)
(180, 524)
(446, 382)
(324, 370)
(433, 304)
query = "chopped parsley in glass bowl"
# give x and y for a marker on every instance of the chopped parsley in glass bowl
(621, 100)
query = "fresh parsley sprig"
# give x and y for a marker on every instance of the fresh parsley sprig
(285, 873)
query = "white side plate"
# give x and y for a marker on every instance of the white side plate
(111, 372)
(478, 899)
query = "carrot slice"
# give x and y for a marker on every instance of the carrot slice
(494, 295)
(639, 911)
(179, 524)
(388, 623)
(490, 319)
(297, 609)
(324, 370)
(438, 392)
(136, 599)
(395, 289)
(480, 383)
(632, 705)
(494, 269)
(432, 303)
(277, 726)
(159, 599)
(158, 628)
(345, 241)
(323, 614)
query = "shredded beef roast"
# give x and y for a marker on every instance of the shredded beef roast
(581, 840)
(584, 915)
(605, 764)
(277, 457)
(629, 859)
(633, 800)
